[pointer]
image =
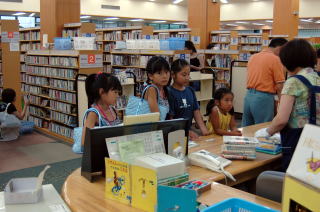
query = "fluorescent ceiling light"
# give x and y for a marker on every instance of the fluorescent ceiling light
(318, 22)
(269, 21)
(181, 23)
(258, 24)
(255, 0)
(159, 21)
(112, 18)
(85, 16)
(136, 20)
(224, 1)
(177, 1)
(241, 22)
(152, 0)
(306, 20)
(19, 14)
(32, 14)
(232, 25)
(109, 22)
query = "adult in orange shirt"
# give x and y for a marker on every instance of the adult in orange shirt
(265, 79)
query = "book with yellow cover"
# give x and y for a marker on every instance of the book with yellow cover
(144, 188)
(118, 182)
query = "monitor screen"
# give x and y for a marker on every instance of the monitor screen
(95, 148)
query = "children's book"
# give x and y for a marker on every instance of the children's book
(144, 188)
(118, 182)
(305, 163)
(268, 146)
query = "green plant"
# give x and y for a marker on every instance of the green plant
(316, 46)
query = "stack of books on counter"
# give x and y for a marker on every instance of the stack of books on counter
(271, 145)
(237, 147)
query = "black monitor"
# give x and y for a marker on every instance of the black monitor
(95, 148)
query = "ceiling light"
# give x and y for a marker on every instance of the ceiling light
(224, 1)
(32, 14)
(232, 25)
(269, 21)
(258, 24)
(181, 23)
(255, 0)
(19, 14)
(159, 21)
(109, 22)
(318, 22)
(85, 16)
(306, 20)
(112, 18)
(241, 22)
(152, 0)
(136, 20)
(177, 1)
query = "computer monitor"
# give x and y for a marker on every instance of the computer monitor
(95, 148)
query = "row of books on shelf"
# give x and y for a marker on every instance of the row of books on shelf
(166, 35)
(74, 32)
(122, 102)
(223, 75)
(254, 40)
(220, 61)
(244, 56)
(141, 74)
(55, 61)
(107, 68)
(107, 58)
(220, 38)
(30, 35)
(133, 60)
(63, 107)
(50, 72)
(221, 46)
(53, 83)
(63, 96)
(256, 48)
(115, 35)
(69, 98)
(29, 46)
(54, 127)
(108, 47)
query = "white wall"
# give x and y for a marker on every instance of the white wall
(309, 8)
(27, 5)
(151, 10)
(247, 11)
(135, 9)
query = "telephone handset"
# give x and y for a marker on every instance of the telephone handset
(210, 161)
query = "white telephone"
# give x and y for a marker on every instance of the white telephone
(210, 161)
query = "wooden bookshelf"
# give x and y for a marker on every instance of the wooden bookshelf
(169, 33)
(219, 58)
(50, 81)
(107, 38)
(79, 30)
(29, 40)
(10, 64)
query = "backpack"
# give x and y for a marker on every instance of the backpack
(314, 91)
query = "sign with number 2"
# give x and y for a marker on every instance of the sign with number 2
(91, 59)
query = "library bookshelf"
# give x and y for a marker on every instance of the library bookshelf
(107, 38)
(79, 30)
(50, 81)
(29, 40)
(168, 33)
(219, 58)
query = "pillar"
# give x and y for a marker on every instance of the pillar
(285, 18)
(55, 13)
(203, 17)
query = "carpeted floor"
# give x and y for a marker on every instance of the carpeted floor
(28, 155)
(56, 175)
